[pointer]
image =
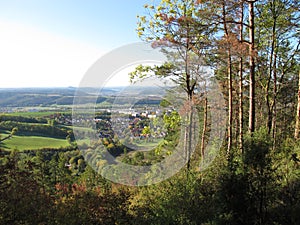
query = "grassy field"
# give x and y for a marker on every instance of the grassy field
(33, 142)
(148, 144)
(36, 114)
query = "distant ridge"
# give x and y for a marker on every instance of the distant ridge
(32, 97)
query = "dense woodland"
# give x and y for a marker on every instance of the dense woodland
(253, 49)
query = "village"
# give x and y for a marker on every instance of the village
(132, 123)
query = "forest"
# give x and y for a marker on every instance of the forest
(252, 47)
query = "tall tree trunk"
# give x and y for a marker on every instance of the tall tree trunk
(190, 136)
(189, 125)
(229, 71)
(229, 77)
(274, 106)
(190, 91)
(241, 112)
(251, 126)
(272, 72)
(297, 125)
(204, 130)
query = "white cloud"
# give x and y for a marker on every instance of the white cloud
(33, 58)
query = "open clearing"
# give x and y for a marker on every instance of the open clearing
(32, 142)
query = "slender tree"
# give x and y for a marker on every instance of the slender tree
(234, 44)
(229, 75)
(251, 125)
(297, 125)
(204, 129)
(241, 70)
(174, 26)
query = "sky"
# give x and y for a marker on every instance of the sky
(52, 43)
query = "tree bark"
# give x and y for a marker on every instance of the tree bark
(241, 111)
(271, 72)
(229, 77)
(229, 71)
(204, 130)
(251, 126)
(274, 105)
(297, 125)
(189, 136)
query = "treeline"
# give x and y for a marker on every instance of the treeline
(22, 119)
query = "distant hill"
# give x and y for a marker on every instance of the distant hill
(23, 97)
(28, 97)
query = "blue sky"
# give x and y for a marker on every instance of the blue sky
(47, 43)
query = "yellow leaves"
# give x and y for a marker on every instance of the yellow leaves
(160, 8)
(143, 19)
(151, 24)
(166, 1)
(149, 39)
(140, 34)
(169, 37)
(140, 30)
(158, 150)
(172, 11)
(146, 6)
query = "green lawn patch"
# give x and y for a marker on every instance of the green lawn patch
(148, 144)
(37, 114)
(33, 142)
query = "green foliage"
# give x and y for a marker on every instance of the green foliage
(21, 200)
(23, 119)
(172, 121)
(252, 186)
(254, 189)
(42, 190)
(179, 200)
(257, 149)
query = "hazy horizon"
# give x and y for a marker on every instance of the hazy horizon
(54, 43)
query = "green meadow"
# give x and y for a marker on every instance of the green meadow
(36, 114)
(21, 143)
